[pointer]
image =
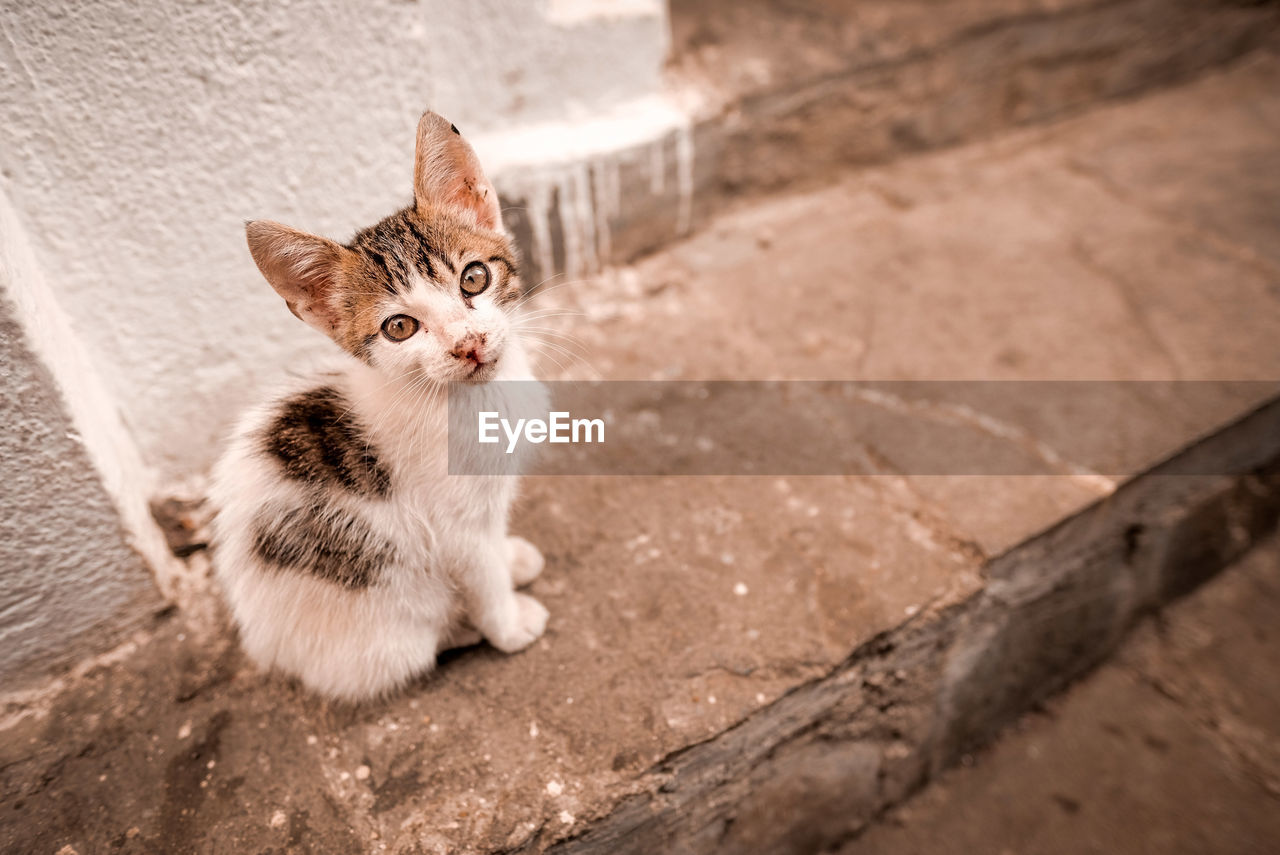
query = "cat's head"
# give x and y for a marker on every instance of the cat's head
(426, 293)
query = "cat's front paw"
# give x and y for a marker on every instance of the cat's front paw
(525, 561)
(529, 623)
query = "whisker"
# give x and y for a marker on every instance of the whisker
(578, 348)
(538, 314)
(540, 290)
(550, 351)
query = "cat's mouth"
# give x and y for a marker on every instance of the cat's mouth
(482, 372)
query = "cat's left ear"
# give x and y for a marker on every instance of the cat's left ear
(303, 268)
(446, 173)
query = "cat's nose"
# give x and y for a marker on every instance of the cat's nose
(471, 348)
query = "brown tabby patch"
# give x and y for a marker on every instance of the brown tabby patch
(322, 541)
(316, 441)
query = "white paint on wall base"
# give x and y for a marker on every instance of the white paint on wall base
(568, 169)
(582, 137)
(575, 12)
(684, 178)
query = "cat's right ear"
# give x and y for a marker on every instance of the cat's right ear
(446, 172)
(302, 268)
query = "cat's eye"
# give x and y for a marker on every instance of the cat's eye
(399, 327)
(475, 278)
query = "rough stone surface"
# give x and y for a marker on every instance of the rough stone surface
(917, 697)
(859, 86)
(1170, 749)
(71, 581)
(721, 647)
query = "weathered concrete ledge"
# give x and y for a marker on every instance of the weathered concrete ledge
(1171, 745)
(779, 99)
(813, 767)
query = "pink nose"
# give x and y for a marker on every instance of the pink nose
(470, 348)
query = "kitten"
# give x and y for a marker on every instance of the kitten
(348, 554)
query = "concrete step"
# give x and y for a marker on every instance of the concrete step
(761, 665)
(1172, 747)
(763, 96)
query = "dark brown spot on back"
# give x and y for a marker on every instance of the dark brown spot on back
(323, 541)
(317, 441)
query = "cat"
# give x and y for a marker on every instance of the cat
(348, 554)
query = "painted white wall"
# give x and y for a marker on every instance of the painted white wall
(136, 138)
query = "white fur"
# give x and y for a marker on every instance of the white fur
(456, 566)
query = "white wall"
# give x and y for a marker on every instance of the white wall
(136, 138)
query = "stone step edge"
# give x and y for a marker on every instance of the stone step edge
(666, 164)
(811, 769)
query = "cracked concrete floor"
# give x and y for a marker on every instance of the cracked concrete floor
(1174, 747)
(1134, 242)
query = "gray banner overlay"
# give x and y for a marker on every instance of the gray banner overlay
(1106, 429)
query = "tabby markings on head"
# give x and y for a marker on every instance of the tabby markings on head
(403, 247)
(326, 542)
(316, 441)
